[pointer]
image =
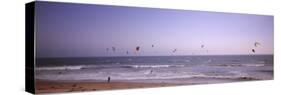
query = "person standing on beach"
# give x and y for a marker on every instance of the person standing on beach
(108, 80)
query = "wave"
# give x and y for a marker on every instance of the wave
(152, 66)
(141, 76)
(60, 68)
(104, 66)
(238, 65)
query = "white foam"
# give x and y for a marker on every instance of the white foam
(254, 65)
(60, 68)
(154, 66)
(237, 65)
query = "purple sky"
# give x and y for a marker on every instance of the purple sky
(75, 30)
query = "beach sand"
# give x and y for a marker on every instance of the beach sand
(43, 86)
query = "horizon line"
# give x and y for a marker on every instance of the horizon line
(158, 55)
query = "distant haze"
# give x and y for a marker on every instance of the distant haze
(79, 30)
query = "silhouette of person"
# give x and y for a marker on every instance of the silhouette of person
(108, 80)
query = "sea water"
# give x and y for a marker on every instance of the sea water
(151, 68)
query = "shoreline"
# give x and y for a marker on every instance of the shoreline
(47, 86)
(52, 86)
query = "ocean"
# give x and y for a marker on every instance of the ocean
(170, 69)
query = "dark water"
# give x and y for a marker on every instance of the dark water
(227, 67)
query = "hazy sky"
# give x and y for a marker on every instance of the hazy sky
(74, 30)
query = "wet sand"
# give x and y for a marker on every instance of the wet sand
(43, 86)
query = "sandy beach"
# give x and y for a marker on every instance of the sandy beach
(43, 86)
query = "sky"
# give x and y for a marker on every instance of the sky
(84, 30)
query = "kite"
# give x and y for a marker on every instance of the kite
(202, 46)
(113, 49)
(253, 50)
(256, 44)
(174, 50)
(127, 52)
(137, 48)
